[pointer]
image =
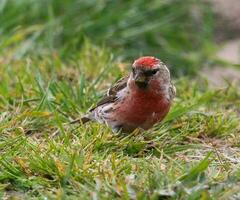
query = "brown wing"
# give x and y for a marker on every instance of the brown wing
(111, 94)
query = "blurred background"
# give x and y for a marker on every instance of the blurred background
(190, 36)
(58, 57)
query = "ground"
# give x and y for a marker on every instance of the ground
(51, 73)
(193, 154)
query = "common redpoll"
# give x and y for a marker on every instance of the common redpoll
(139, 100)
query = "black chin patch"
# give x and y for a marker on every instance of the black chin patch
(142, 85)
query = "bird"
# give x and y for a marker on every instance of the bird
(137, 101)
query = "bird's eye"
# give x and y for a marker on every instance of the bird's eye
(151, 72)
(154, 71)
(133, 70)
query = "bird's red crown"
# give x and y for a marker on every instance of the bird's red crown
(146, 61)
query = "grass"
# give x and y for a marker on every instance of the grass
(193, 154)
(56, 61)
(165, 29)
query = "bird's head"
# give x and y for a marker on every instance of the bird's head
(146, 70)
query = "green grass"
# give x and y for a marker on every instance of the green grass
(57, 58)
(193, 154)
(180, 32)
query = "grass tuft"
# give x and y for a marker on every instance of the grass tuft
(39, 95)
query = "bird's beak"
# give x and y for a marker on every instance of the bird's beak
(141, 80)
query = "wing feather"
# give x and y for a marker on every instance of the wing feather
(111, 94)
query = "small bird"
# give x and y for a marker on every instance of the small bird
(139, 100)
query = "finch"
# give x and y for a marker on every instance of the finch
(139, 100)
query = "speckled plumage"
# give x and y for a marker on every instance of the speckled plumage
(136, 101)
